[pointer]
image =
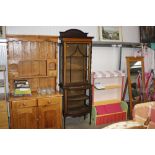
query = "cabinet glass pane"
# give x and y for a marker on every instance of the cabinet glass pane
(77, 62)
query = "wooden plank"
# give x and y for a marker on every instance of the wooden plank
(38, 38)
(26, 68)
(35, 68)
(34, 46)
(51, 82)
(34, 84)
(17, 50)
(26, 54)
(42, 68)
(10, 50)
(51, 50)
(43, 50)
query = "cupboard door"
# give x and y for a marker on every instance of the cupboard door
(24, 118)
(50, 116)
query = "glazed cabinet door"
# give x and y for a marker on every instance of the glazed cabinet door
(49, 114)
(24, 114)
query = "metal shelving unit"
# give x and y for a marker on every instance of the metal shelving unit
(3, 99)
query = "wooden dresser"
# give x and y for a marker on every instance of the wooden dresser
(34, 58)
(36, 111)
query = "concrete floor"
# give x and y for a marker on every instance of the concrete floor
(80, 123)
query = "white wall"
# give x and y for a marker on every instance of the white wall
(130, 33)
(103, 58)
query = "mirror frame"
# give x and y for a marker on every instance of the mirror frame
(128, 61)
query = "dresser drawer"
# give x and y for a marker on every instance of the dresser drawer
(24, 103)
(49, 101)
(3, 107)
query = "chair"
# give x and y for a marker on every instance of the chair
(145, 113)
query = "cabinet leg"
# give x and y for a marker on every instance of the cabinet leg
(64, 122)
(84, 117)
(90, 119)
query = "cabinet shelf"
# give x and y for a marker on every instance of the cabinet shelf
(109, 87)
(78, 111)
(18, 59)
(78, 97)
(77, 69)
(76, 57)
(77, 88)
(31, 77)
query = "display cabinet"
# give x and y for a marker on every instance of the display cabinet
(75, 72)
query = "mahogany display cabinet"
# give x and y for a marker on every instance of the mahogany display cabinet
(75, 73)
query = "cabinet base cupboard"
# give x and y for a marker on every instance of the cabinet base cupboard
(36, 112)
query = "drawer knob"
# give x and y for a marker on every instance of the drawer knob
(24, 104)
(49, 102)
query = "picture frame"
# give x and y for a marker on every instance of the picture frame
(147, 34)
(2, 32)
(110, 33)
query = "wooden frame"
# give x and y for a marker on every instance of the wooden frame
(2, 32)
(130, 60)
(110, 33)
